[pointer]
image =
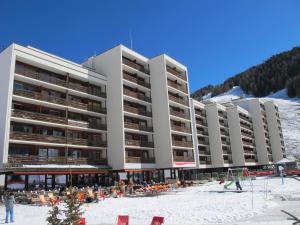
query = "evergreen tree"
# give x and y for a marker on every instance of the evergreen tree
(54, 213)
(73, 210)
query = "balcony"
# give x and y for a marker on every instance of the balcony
(181, 129)
(85, 124)
(178, 100)
(228, 161)
(183, 159)
(137, 95)
(140, 143)
(201, 142)
(42, 77)
(201, 122)
(207, 162)
(202, 114)
(23, 136)
(250, 160)
(38, 96)
(139, 111)
(176, 73)
(19, 160)
(85, 106)
(134, 79)
(38, 116)
(85, 89)
(131, 159)
(137, 126)
(180, 114)
(135, 65)
(187, 144)
(177, 86)
(201, 132)
(203, 152)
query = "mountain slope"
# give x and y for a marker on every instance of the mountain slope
(289, 109)
(279, 72)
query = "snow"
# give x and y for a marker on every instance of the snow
(61, 166)
(193, 205)
(289, 109)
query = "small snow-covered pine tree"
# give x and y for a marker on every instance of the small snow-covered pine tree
(54, 213)
(73, 210)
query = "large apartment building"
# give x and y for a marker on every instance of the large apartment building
(120, 115)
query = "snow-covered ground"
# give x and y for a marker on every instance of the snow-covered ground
(193, 205)
(289, 109)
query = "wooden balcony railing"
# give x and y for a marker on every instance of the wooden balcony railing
(203, 142)
(15, 160)
(177, 86)
(131, 159)
(205, 162)
(176, 73)
(181, 129)
(137, 126)
(38, 96)
(135, 80)
(187, 144)
(200, 113)
(38, 116)
(139, 111)
(135, 65)
(180, 114)
(178, 100)
(136, 95)
(86, 89)
(183, 159)
(201, 122)
(202, 152)
(43, 77)
(201, 132)
(37, 137)
(147, 144)
(250, 160)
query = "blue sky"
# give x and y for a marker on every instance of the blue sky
(215, 39)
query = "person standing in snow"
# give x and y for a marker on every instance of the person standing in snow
(9, 203)
(237, 184)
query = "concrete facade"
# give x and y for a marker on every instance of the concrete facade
(122, 111)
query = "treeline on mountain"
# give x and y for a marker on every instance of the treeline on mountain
(279, 72)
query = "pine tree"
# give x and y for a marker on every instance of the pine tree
(73, 210)
(54, 213)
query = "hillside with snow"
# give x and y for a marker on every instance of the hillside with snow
(289, 109)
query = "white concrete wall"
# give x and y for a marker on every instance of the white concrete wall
(215, 143)
(161, 114)
(194, 131)
(110, 64)
(235, 133)
(274, 132)
(7, 65)
(253, 106)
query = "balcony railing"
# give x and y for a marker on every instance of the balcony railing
(207, 162)
(200, 113)
(131, 159)
(203, 142)
(202, 152)
(43, 77)
(85, 89)
(137, 126)
(136, 95)
(135, 80)
(177, 86)
(135, 65)
(180, 114)
(15, 160)
(85, 124)
(178, 100)
(183, 159)
(205, 133)
(187, 144)
(139, 111)
(201, 122)
(38, 96)
(38, 116)
(147, 144)
(15, 135)
(181, 129)
(176, 73)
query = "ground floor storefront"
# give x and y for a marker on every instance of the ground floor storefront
(57, 178)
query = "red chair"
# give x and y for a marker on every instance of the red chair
(157, 220)
(82, 221)
(123, 220)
